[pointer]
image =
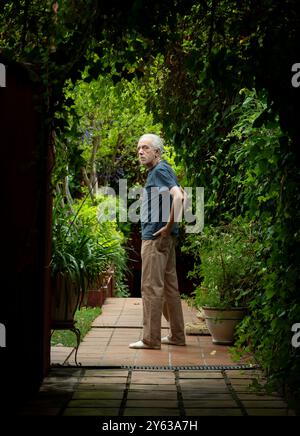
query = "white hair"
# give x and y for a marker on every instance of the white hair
(156, 141)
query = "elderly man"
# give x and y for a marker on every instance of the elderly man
(161, 208)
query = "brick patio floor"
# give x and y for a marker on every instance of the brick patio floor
(121, 323)
(114, 380)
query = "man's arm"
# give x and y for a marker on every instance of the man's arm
(178, 196)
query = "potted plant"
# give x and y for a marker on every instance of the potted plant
(227, 268)
(110, 238)
(102, 287)
(78, 259)
(84, 255)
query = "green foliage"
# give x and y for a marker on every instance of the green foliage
(225, 264)
(79, 249)
(109, 119)
(233, 123)
(108, 234)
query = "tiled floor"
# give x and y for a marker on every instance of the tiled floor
(115, 392)
(121, 323)
(111, 380)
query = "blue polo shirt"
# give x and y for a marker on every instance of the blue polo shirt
(157, 200)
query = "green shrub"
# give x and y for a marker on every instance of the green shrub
(82, 249)
(225, 264)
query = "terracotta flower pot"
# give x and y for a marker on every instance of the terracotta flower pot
(95, 297)
(65, 299)
(221, 323)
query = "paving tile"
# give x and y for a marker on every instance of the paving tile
(258, 396)
(140, 411)
(200, 374)
(154, 382)
(90, 346)
(114, 362)
(98, 395)
(151, 403)
(150, 387)
(242, 381)
(269, 412)
(243, 389)
(57, 379)
(119, 344)
(96, 387)
(152, 395)
(199, 381)
(152, 362)
(205, 396)
(152, 377)
(59, 386)
(117, 356)
(96, 333)
(58, 350)
(225, 360)
(206, 389)
(105, 373)
(60, 354)
(213, 403)
(202, 383)
(213, 412)
(103, 380)
(83, 402)
(91, 411)
(265, 404)
(88, 353)
(249, 373)
(187, 350)
(63, 371)
(188, 360)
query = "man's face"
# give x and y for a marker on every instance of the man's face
(147, 154)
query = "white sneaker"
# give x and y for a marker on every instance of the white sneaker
(167, 341)
(141, 345)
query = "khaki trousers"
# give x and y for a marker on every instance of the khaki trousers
(160, 292)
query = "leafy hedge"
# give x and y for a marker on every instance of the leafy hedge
(230, 128)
